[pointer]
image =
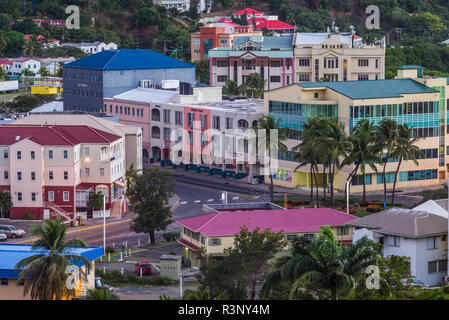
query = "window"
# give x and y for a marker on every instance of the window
(222, 78)
(167, 116)
(442, 266)
(66, 196)
(432, 243)
(304, 62)
(203, 121)
(167, 133)
(66, 175)
(50, 175)
(6, 175)
(19, 175)
(394, 241)
(216, 122)
(431, 267)
(101, 172)
(275, 78)
(342, 231)
(214, 241)
(5, 154)
(362, 77)
(363, 62)
(19, 155)
(309, 236)
(33, 196)
(66, 154)
(33, 155)
(4, 281)
(275, 64)
(229, 123)
(222, 64)
(291, 237)
(50, 154)
(190, 119)
(304, 77)
(86, 172)
(19, 196)
(178, 117)
(86, 151)
(33, 175)
(316, 95)
(51, 196)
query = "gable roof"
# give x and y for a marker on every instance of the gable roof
(438, 207)
(125, 59)
(372, 89)
(248, 11)
(290, 221)
(274, 25)
(403, 222)
(5, 61)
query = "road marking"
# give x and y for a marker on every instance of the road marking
(235, 198)
(197, 201)
(79, 230)
(184, 202)
(210, 200)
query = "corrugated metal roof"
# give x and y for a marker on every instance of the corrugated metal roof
(11, 254)
(274, 25)
(289, 221)
(317, 38)
(266, 41)
(125, 59)
(372, 89)
(410, 67)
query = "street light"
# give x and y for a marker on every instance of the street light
(104, 225)
(180, 281)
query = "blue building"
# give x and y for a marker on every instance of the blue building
(11, 254)
(89, 80)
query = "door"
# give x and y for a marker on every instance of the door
(46, 214)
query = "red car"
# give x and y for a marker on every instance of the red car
(145, 267)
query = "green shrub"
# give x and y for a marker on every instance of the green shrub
(30, 215)
(110, 250)
(171, 236)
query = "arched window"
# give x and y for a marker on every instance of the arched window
(155, 132)
(155, 115)
(145, 153)
(243, 124)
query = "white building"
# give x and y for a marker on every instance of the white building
(438, 207)
(22, 63)
(52, 64)
(419, 235)
(91, 47)
(184, 5)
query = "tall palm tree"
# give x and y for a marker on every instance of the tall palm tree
(254, 86)
(3, 74)
(101, 294)
(405, 149)
(232, 88)
(336, 142)
(364, 153)
(322, 266)
(44, 273)
(95, 201)
(268, 123)
(386, 136)
(5, 204)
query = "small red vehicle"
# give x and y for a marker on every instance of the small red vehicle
(145, 267)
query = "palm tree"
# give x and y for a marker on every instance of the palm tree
(101, 294)
(386, 136)
(43, 72)
(232, 88)
(322, 266)
(268, 123)
(30, 46)
(364, 153)
(3, 43)
(3, 74)
(95, 201)
(5, 204)
(254, 86)
(333, 139)
(405, 149)
(44, 273)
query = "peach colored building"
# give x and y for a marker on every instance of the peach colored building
(50, 170)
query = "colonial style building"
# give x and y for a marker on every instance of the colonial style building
(271, 57)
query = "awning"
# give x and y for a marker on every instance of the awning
(187, 244)
(83, 187)
(119, 183)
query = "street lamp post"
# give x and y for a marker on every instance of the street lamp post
(104, 224)
(180, 282)
(347, 197)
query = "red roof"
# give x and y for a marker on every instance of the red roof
(290, 221)
(357, 37)
(5, 61)
(248, 11)
(187, 243)
(54, 135)
(274, 25)
(224, 20)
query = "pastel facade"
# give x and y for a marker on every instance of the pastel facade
(50, 170)
(271, 57)
(215, 232)
(419, 102)
(22, 63)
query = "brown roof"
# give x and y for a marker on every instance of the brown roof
(403, 222)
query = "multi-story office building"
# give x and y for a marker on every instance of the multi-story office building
(410, 98)
(50, 170)
(89, 80)
(271, 57)
(162, 112)
(337, 57)
(184, 5)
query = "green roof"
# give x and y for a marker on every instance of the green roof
(408, 66)
(372, 89)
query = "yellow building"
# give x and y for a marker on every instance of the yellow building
(410, 98)
(46, 89)
(215, 232)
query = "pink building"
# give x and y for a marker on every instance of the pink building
(50, 170)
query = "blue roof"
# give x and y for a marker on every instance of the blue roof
(266, 41)
(11, 254)
(125, 59)
(410, 66)
(373, 89)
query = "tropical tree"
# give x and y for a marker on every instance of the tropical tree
(232, 88)
(321, 266)
(5, 204)
(364, 152)
(404, 149)
(3, 74)
(254, 86)
(3, 43)
(267, 124)
(44, 273)
(31, 45)
(43, 72)
(95, 201)
(101, 294)
(386, 136)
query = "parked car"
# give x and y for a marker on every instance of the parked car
(414, 282)
(12, 232)
(99, 284)
(3, 236)
(145, 267)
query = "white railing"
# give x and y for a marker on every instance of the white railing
(57, 210)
